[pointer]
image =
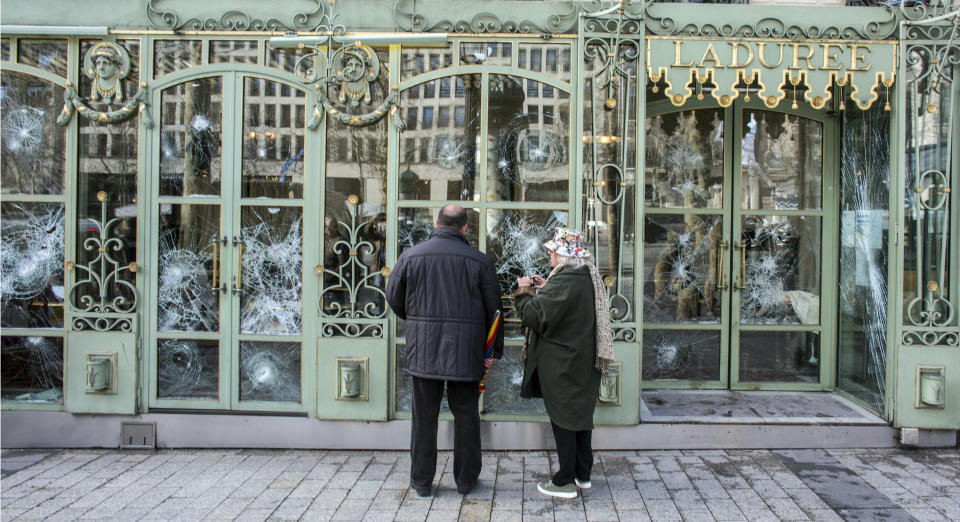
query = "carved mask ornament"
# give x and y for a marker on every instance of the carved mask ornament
(107, 64)
(355, 66)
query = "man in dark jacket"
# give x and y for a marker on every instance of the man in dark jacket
(448, 294)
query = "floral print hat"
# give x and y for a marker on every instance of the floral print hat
(567, 242)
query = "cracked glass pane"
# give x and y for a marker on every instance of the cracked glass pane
(49, 55)
(439, 152)
(188, 369)
(689, 355)
(272, 270)
(404, 397)
(33, 144)
(175, 55)
(779, 356)
(682, 263)
(864, 233)
(186, 298)
(515, 243)
(415, 226)
(31, 369)
(528, 149)
(31, 265)
(782, 161)
(502, 393)
(269, 371)
(684, 154)
(190, 137)
(781, 260)
(273, 140)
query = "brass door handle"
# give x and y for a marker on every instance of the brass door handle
(721, 284)
(238, 279)
(215, 268)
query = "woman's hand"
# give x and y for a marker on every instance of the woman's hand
(538, 281)
(524, 282)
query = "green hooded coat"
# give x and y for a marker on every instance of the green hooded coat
(561, 350)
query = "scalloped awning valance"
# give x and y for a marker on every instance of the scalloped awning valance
(765, 67)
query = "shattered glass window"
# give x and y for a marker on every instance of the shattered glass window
(864, 236)
(31, 369)
(190, 138)
(442, 163)
(34, 146)
(528, 159)
(515, 243)
(683, 268)
(188, 369)
(175, 55)
(781, 260)
(688, 355)
(47, 54)
(502, 393)
(31, 265)
(269, 371)
(272, 160)
(684, 166)
(188, 265)
(272, 270)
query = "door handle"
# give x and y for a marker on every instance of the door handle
(741, 281)
(238, 279)
(721, 284)
(215, 268)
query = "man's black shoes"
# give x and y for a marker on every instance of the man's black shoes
(422, 492)
(463, 490)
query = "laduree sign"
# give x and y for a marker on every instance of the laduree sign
(765, 67)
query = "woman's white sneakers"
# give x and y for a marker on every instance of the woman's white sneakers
(584, 484)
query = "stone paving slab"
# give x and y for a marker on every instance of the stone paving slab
(848, 484)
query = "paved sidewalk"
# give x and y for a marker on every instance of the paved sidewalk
(366, 485)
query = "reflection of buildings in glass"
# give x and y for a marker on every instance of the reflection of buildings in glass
(527, 124)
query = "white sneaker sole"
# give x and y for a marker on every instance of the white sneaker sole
(559, 494)
(583, 485)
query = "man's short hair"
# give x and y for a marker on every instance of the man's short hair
(452, 216)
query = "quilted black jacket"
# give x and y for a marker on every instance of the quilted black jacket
(447, 292)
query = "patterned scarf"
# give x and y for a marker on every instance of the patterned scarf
(604, 355)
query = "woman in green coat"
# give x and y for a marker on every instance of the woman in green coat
(569, 344)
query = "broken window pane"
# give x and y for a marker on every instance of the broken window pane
(33, 144)
(190, 133)
(502, 393)
(779, 356)
(683, 267)
(31, 264)
(864, 232)
(188, 369)
(31, 369)
(684, 154)
(515, 243)
(782, 268)
(690, 355)
(189, 269)
(272, 270)
(528, 158)
(269, 371)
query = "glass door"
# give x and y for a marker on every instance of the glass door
(734, 220)
(228, 281)
(779, 218)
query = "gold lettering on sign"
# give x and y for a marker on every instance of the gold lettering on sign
(736, 55)
(797, 57)
(713, 57)
(761, 47)
(856, 58)
(676, 62)
(827, 57)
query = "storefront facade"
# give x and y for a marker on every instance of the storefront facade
(201, 205)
